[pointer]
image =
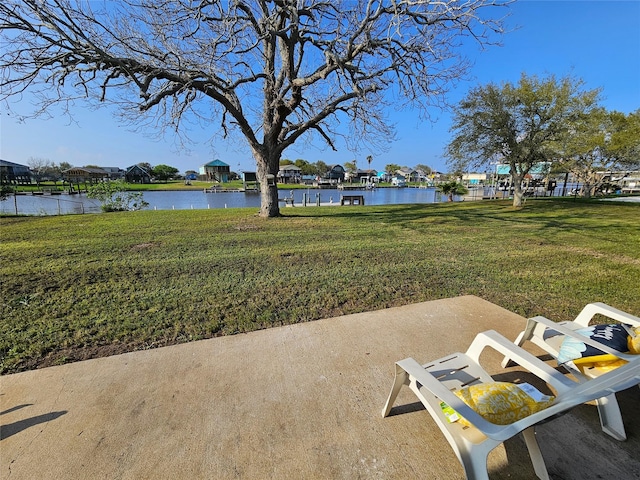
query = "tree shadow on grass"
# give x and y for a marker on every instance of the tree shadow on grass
(563, 213)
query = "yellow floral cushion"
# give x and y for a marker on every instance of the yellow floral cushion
(503, 403)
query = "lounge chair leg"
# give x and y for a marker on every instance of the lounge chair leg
(539, 466)
(401, 379)
(610, 417)
(474, 470)
(521, 338)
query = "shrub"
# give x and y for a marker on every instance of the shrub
(114, 197)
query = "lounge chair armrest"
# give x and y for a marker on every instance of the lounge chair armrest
(592, 309)
(437, 389)
(493, 339)
(613, 381)
(563, 329)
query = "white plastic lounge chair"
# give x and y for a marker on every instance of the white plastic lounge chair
(435, 382)
(549, 335)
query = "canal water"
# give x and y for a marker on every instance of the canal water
(48, 204)
(190, 199)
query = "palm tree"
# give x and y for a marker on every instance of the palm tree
(452, 188)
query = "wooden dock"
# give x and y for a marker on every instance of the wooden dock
(351, 199)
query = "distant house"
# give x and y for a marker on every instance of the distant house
(336, 172)
(137, 174)
(85, 175)
(423, 176)
(215, 171)
(474, 178)
(289, 174)
(399, 181)
(308, 179)
(14, 173)
(630, 183)
(409, 174)
(365, 176)
(384, 177)
(115, 173)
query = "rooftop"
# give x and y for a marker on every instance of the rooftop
(216, 163)
(298, 401)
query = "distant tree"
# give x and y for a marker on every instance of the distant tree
(601, 142)
(41, 168)
(351, 168)
(114, 197)
(452, 188)
(522, 125)
(321, 168)
(623, 144)
(60, 168)
(369, 160)
(164, 172)
(305, 167)
(147, 166)
(426, 169)
(392, 168)
(274, 71)
(286, 161)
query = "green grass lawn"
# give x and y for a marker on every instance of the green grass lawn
(82, 286)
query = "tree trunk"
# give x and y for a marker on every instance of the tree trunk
(589, 187)
(517, 190)
(564, 187)
(266, 175)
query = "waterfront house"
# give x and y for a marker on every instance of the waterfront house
(85, 175)
(336, 172)
(215, 171)
(409, 174)
(384, 176)
(14, 173)
(137, 174)
(115, 173)
(629, 182)
(475, 178)
(399, 181)
(289, 174)
(365, 176)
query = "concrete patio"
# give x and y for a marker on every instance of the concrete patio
(300, 402)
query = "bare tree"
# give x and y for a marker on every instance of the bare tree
(40, 168)
(273, 70)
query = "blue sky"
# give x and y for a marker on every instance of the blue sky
(597, 41)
